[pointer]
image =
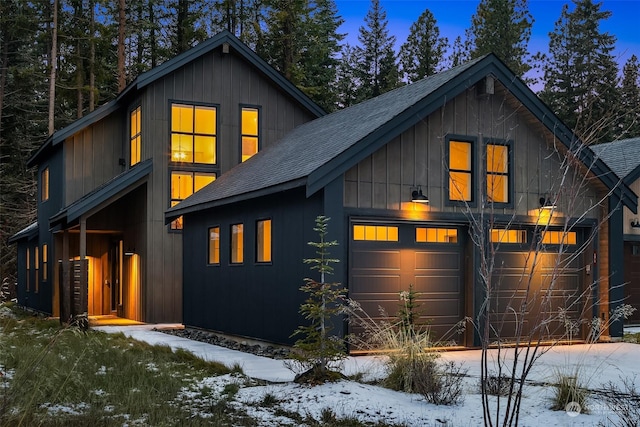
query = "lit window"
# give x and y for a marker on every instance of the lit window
(559, 237)
(436, 235)
(193, 134)
(263, 241)
(498, 173)
(184, 184)
(378, 233)
(36, 264)
(460, 170)
(250, 140)
(45, 256)
(45, 184)
(499, 235)
(214, 245)
(237, 243)
(134, 136)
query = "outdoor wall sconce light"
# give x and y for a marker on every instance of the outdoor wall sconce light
(547, 203)
(417, 196)
(635, 223)
(130, 252)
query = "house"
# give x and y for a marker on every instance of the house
(623, 158)
(100, 244)
(474, 141)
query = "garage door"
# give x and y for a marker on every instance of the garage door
(545, 282)
(386, 259)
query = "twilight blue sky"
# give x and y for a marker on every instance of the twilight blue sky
(454, 16)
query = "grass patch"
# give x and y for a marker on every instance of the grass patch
(53, 376)
(632, 338)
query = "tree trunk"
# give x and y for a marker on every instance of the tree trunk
(122, 22)
(92, 58)
(53, 60)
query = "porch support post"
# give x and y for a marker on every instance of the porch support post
(616, 265)
(84, 281)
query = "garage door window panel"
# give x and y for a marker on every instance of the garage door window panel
(436, 235)
(376, 233)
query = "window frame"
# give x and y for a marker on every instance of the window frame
(232, 250)
(209, 241)
(193, 163)
(509, 174)
(137, 136)
(472, 141)
(257, 241)
(193, 172)
(258, 108)
(45, 184)
(45, 261)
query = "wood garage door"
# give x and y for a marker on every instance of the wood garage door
(632, 279)
(546, 282)
(385, 260)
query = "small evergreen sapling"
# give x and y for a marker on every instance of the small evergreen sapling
(318, 350)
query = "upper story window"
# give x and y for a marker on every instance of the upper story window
(193, 134)
(460, 165)
(250, 133)
(135, 137)
(498, 173)
(184, 184)
(214, 245)
(44, 184)
(263, 240)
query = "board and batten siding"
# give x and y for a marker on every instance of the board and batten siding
(417, 156)
(227, 81)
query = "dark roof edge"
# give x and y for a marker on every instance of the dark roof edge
(176, 211)
(28, 232)
(216, 41)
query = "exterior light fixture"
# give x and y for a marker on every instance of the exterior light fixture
(417, 196)
(635, 223)
(547, 203)
(130, 252)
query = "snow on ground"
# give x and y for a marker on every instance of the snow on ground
(599, 364)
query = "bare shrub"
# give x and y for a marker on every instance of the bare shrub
(623, 402)
(569, 389)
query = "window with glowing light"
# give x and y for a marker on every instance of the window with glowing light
(184, 184)
(379, 233)
(44, 184)
(237, 243)
(36, 264)
(436, 235)
(460, 170)
(500, 235)
(45, 256)
(498, 171)
(250, 132)
(28, 265)
(559, 237)
(214, 245)
(193, 134)
(263, 240)
(135, 137)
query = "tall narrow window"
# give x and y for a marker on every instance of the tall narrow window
(214, 245)
(184, 184)
(498, 173)
(460, 171)
(135, 137)
(45, 256)
(193, 134)
(237, 243)
(45, 184)
(28, 265)
(250, 139)
(263, 241)
(36, 265)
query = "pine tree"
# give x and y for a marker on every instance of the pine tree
(459, 52)
(502, 27)
(423, 52)
(580, 77)
(630, 100)
(377, 69)
(346, 79)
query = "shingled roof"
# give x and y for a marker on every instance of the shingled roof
(317, 152)
(623, 157)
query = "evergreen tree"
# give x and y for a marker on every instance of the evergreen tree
(580, 77)
(459, 52)
(423, 52)
(346, 78)
(630, 100)
(377, 70)
(502, 27)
